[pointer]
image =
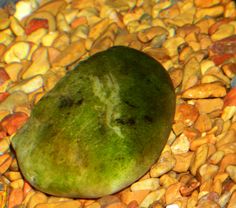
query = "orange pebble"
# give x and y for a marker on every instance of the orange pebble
(13, 122)
(79, 21)
(230, 98)
(15, 198)
(27, 188)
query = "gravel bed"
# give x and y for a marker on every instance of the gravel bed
(195, 40)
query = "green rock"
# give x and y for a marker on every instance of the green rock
(101, 128)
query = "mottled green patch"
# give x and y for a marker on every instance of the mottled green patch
(101, 127)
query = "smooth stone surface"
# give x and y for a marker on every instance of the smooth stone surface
(100, 128)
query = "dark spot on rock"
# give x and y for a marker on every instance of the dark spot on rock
(65, 102)
(129, 104)
(148, 119)
(129, 121)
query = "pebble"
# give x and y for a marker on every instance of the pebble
(165, 163)
(209, 105)
(64, 204)
(191, 69)
(180, 145)
(231, 170)
(216, 157)
(152, 197)
(127, 196)
(39, 66)
(224, 31)
(206, 90)
(186, 114)
(199, 158)
(146, 184)
(29, 85)
(173, 193)
(207, 171)
(203, 123)
(183, 162)
(36, 198)
(167, 180)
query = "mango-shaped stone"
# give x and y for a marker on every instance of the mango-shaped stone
(100, 128)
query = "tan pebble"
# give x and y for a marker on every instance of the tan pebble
(205, 24)
(187, 29)
(40, 65)
(207, 171)
(158, 7)
(231, 170)
(150, 33)
(93, 205)
(152, 197)
(147, 184)
(29, 85)
(53, 54)
(209, 105)
(217, 187)
(203, 123)
(229, 159)
(228, 137)
(229, 69)
(199, 158)
(70, 55)
(4, 145)
(205, 187)
(191, 68)
(224, 31)
(19, 183)
(167, 180)
(13, 70)
(13, 175)
(80, 32)
(185, 53)
(17, 98)
(206, 90)
(65, 204)
(160, 54)
(178, 128)
(171, 12)
(205, 65)
(128, 196)
(183, 162)
(36, 36)
(5, 164)
(228, 148)
(6, 38)
(192, 200)
(230, 10)
(172, 193)
(208, 3)
(224, 199)
(228, 112)
(216, 157)
(49, 38)
(176, 76)
(116, 205)
(221, 176)
(208, 203)
(61, 42)
(16, 27)
(214, 11)
(17, 52)
(205, 42)
(36, 198)
(101, 45)
(180, 145)
(172, 45)
(165, 163)
(62, 24)
(98, 29)
(232, 201)
(109, 199)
